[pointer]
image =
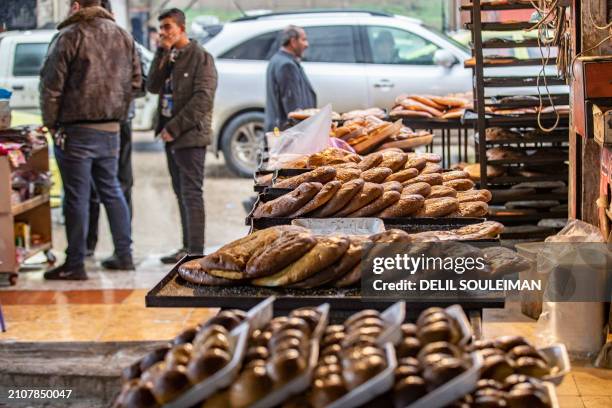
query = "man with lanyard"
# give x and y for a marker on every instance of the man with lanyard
(185, 77)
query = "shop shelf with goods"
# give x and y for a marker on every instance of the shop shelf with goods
(514, 143)
(25, 219)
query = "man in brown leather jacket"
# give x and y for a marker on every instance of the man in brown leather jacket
(87, 81)
(185, 77)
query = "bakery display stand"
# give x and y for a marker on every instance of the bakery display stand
(481, 120)
(35, 212)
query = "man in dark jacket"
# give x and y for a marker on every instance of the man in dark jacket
(287, 86)
(85, 88)
(185, 77)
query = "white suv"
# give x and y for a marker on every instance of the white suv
(342, 63)
(21, 57)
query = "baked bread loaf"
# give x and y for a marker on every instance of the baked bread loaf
(474, 195)
(459, 184)
(392, 186)
(369, 193)
(350, 260)
(393, 160)
(430, 157)
(504, 261)
(431, 168)
(386, 200)
(455, 174)
(252, 385)
(403, 175)
(321, 175)
(420, 188)
(290, 247)
(235, 255)
(432, 179)
(474, 171)
(340, 199)
(442, 191)
(327, 251)
(376, 174)
(331, 156)
(504, 153)
(438, 207)
(193, 272)
(290, 202)
(471, 209)
(370, 161)
(345, 174)
(418, 163)
(323, 196)
(487, 229)
(407, 205)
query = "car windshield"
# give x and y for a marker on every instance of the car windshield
(451, 40)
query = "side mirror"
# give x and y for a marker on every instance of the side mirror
(444, 58)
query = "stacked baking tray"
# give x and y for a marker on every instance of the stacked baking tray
(545, 200)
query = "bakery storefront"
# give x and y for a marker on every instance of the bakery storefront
(447, 251)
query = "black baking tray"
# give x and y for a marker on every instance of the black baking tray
(173, 291)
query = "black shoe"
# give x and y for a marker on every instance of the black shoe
(115, 263)
(65, 272)
(89, 253)
(174, 258)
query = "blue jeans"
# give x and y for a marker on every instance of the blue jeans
(90, 155)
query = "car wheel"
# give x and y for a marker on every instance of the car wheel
(241, 142)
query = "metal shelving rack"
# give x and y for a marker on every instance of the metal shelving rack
(481, 120)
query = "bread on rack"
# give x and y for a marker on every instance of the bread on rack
(321, 175)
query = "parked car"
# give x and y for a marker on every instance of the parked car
(21, 57)
(343, 63)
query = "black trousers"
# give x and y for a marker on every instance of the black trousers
(186, 167)
(126, 181)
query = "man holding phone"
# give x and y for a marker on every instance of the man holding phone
(185, 77)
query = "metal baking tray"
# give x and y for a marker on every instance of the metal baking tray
(173, 291)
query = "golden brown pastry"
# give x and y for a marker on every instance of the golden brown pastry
(403, 175)
(376, 174)
(459, 184)
(323, 196)
(438, 207)
(206, 363)
(169, 384)
(321, 175)
(287, 365)
(326, 390)
(431, 168)
(331, 156)
(346, 174)
(178, 355)
(407, 205)
(327, 251)
(290, 247)
(350, 260)
(252, 385)
(487, 229)
(420, 188)
(474, 195)
(290, 202)
(362, 370)
(340, 199)
(370, 161)
(432, 179)
(455, 174)
(192, 271)
(442, 191)
(386, 200)
(474, 171)
(369, 193)
(471, 209)
(235, 255)
(393, 160)
(418, 163)
(392, 186)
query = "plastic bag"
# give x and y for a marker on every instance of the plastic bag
(581, 326)
(307, 137)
